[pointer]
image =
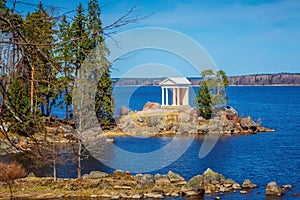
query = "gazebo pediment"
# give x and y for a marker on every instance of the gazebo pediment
(176, 81)
(168, 82)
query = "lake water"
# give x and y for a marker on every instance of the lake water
(262, 158)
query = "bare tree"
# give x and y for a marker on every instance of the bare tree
(9, 172)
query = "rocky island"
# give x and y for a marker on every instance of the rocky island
(184, 120)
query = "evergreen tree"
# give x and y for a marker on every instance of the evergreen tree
(203, 101)
(18, 108)
(39, 29)
(65, 57)
(94, 24)
(104, 102)
(80, 38)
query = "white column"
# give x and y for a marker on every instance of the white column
(178, 96)
(162, 96)
(167, 97)
(173, 97)
(186, 96)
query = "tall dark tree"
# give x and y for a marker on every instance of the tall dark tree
(18, 108)
(80, 38)
(65, 58)
(39, 28)
(203, 101)
(104, 102)
(94, 24)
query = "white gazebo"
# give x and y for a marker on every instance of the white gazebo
(180, 91)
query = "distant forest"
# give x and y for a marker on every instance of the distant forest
(254, 79)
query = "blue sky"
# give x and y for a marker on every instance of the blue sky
(241, 36)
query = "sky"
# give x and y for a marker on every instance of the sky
(241, 36)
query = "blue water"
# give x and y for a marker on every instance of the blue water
(262, 158)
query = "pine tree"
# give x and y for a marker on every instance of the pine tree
(39, 29)
(104, 102)
(203, 101)
(94, 24)
(80, 38)
(18, 108)
(65, 57)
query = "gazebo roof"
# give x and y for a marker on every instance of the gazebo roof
(172, 81)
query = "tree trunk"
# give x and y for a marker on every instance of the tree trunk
(32, 85)
(10, 190)
(54, 161)
(79, 159)
(67, 106)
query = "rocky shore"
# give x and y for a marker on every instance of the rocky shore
(157, 120)
(123, 185)
(152, 121)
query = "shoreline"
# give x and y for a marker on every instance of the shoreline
(124, 185)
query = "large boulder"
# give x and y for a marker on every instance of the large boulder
(210, 176)
(248, 124)
(176, 179)
(151, 105)
(195, 182)
(95, 174)
(247, 184)
(173, 177)
(227, 112)
(145, 180)
(273, 189)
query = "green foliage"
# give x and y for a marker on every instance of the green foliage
(39, 28)
(207, 72)
(80, 37)
(53, 68)
(211, 92)
(203, 101)
(94, 24)
(18, 114)
(64, 59)
(221, 75)
(104, 102)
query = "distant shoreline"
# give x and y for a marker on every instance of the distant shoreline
(276, 85)
(281, 79)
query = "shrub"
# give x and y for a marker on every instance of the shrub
(9, 172)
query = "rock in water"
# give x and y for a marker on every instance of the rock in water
(248, 124)
(209, 176)
(174, 178)
(247, 184)
(273, 189)
(151, 105)
(195, 182)
(287, 187)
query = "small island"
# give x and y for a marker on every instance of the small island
(183, 120)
